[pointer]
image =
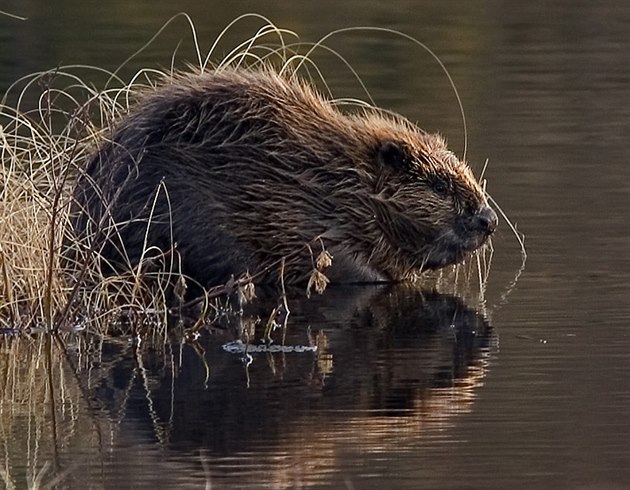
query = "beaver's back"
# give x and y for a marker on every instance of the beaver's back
(203, 154)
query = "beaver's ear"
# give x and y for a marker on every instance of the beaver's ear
(394, 154)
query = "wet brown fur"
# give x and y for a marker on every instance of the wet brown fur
(249, 166)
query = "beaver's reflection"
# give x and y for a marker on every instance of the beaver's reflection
(386, 354)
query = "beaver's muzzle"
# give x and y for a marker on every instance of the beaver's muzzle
(484, 221)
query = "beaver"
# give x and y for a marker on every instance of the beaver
(236, 169)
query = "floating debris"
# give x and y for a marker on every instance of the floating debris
(239, 347)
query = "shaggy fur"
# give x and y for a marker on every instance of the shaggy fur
(236, 169)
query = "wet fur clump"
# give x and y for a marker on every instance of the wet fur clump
(231, 171)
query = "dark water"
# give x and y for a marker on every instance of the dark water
(529, 389)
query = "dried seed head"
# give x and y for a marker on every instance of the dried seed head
(324, 260)
(318, 281)
(246, 292)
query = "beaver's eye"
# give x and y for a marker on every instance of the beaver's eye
(440, 187)
(393, 154)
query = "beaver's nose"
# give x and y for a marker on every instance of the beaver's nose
(485, 220)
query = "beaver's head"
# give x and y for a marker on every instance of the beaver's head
(427, 203)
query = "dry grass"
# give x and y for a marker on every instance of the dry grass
(41, 149)
(34, 210)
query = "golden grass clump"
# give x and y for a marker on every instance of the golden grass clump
(45, 137)
(33, 209)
